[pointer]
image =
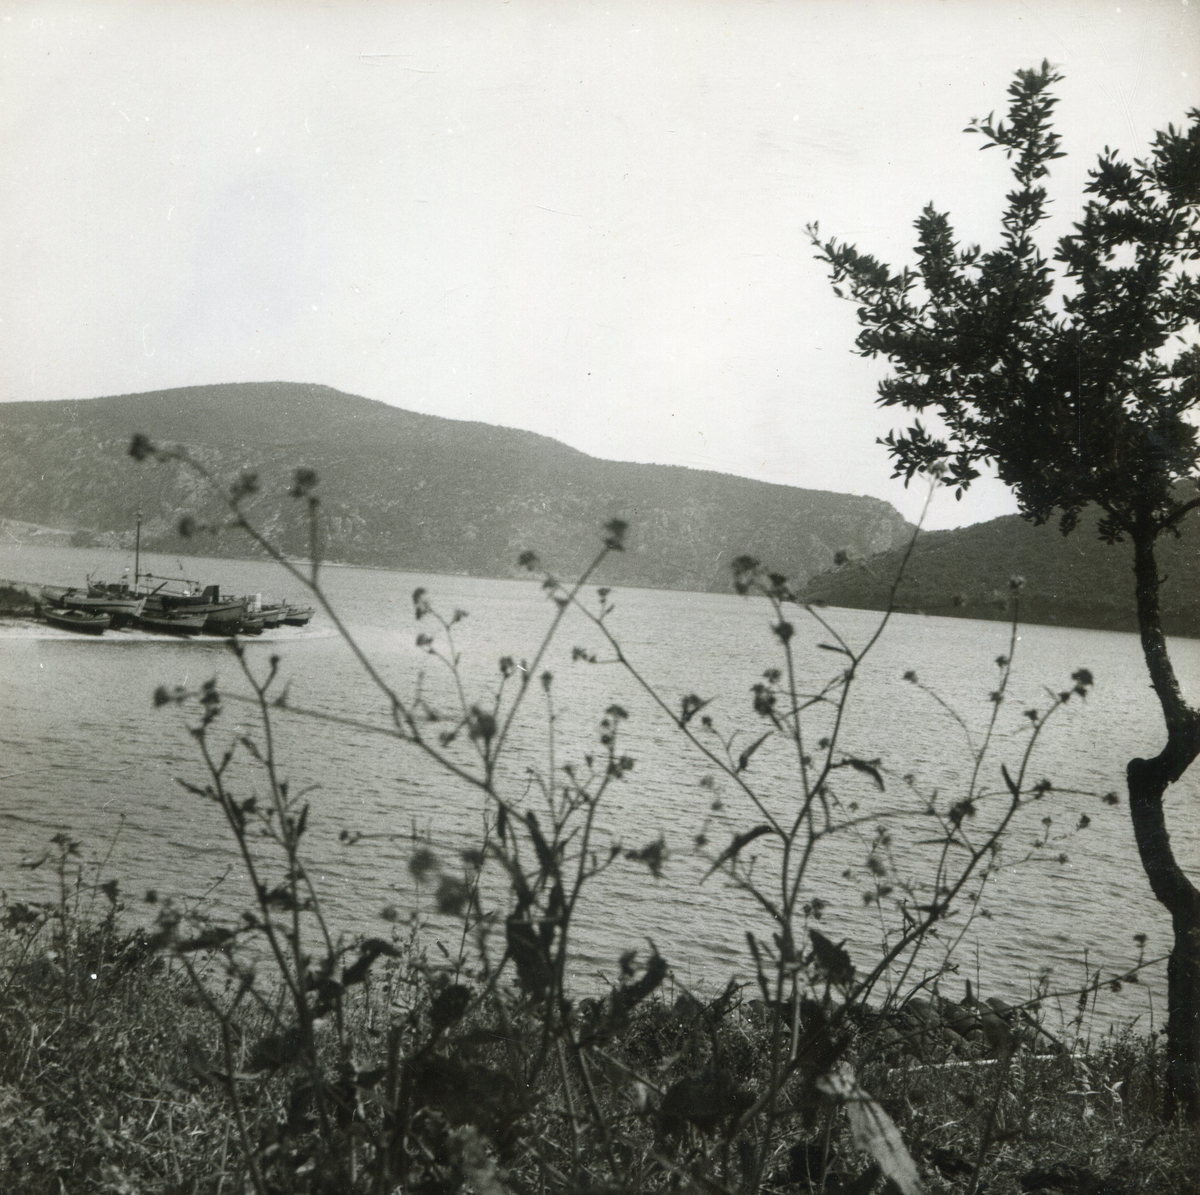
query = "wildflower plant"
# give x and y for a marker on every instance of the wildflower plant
(489, 1068)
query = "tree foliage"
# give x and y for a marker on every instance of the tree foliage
(1076, 376)
(1073, 375)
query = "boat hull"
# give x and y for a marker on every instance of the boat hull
(246, 625)
(296, 616)
(176, 623)
(120, 608)
(272, 616)
(224, 618)
(82, 621)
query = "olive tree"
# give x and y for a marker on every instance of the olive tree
(1076, 378)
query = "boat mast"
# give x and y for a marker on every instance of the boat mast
(137, 549)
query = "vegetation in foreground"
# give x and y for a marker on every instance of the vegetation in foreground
(113, 1079)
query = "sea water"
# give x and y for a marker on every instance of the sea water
(84, 750)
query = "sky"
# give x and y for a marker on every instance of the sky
(582, 219)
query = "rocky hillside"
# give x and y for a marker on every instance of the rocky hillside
(408, 491)
(1076, 580)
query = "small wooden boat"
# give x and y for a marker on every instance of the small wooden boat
(245, 624)
(86, 622)
(223, 617)
(173, 622)
(296, 616)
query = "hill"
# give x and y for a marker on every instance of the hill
(1076, 580)
(408, 491)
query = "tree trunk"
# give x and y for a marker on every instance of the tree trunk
(1148, 780)
(1147, 784)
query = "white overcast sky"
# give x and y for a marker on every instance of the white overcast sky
(584, 219)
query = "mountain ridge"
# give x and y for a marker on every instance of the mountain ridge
(401, 489)
(1074, 580)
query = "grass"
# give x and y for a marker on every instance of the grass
(111, 1081)
(95, 1093)
(1089, 1123)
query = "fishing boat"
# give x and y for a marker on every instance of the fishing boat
(244, 624)
(179, 593)
(171, 596)
(116, 598)
(186, 607)
(105, 599)
(87, 622)
(296, 616)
